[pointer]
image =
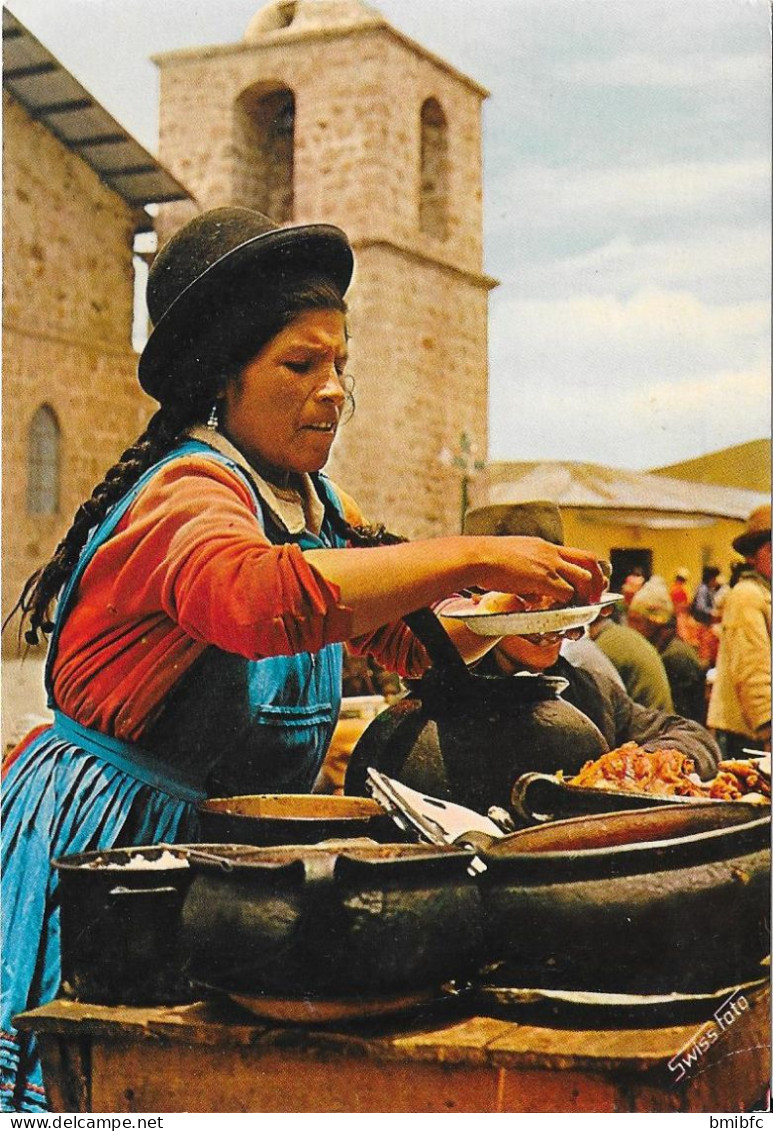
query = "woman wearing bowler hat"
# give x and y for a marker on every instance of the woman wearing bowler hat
(204, 591)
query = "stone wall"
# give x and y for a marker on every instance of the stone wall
(418, 302)
(67, 318)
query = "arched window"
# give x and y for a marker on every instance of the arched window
(433, 199)
(144, 250)
(264, 129)
(43, 462)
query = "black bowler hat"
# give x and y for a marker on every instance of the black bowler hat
(209, 282)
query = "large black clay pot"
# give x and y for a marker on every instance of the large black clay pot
(120, 926)
(332, 922)
(465, 737)
(657, 901)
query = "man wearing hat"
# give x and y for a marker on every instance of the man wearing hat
(739, 709)
(605, 701)
(652, 613)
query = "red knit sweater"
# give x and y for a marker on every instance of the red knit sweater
(189, 566)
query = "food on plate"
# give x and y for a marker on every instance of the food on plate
(671, 774)
(667, 773)
(493, 602)
(142, 863)
(739, 779)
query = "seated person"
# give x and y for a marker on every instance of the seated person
(619, 718)
(652, 613)
(637, 661)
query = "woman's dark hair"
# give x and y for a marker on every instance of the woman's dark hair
(178, 413)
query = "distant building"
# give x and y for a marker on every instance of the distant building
(326, 113)
(631, 518)
(75, 187)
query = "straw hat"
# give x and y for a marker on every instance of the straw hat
(534, 519)
(757, 531)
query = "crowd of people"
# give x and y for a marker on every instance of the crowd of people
(713, 645)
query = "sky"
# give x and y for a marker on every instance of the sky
(627, 187)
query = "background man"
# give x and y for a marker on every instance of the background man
(739, 709)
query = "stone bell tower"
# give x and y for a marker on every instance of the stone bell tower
(325, 113)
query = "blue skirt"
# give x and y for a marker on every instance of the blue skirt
(59, 799)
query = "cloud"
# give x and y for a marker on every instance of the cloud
(547, 197)
(747, 391)
(631, 383)
(685, 71)
(719, 264)
(639, 427)
(654, 334)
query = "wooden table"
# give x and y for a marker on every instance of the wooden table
(213, 1056)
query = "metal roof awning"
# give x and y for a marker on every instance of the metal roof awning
(610, 495)
(51, 95)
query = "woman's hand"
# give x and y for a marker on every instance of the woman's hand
(383, 584)
(533, 568)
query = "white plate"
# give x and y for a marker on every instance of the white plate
(669, 1008)
(529, 623)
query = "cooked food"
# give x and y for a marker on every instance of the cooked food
(500, 603)
(493, 602)
(142, 863)
(669, 773)
(666, 773)
(740, 779)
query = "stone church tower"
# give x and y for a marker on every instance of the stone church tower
(326, 113)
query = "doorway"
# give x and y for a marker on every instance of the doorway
(623, 561)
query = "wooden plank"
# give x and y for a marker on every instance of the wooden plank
(66, 1071)
(537, 1091)
(598, 1049)
(188, 1078)
(159, 1057)
(468, 1039)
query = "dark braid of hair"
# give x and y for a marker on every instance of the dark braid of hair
(366, 535)
(45, 583)
(239, 342)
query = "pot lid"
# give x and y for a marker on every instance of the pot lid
(434, 819)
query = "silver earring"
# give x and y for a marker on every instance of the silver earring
(212, 420)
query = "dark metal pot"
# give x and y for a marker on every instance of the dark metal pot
(465, 737)
(268, 819)
(544, 797)
(121, 926)
(653, 901)
(333, 922)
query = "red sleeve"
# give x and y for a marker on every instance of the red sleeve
(394, 646)
(189, 566)
(192, 547)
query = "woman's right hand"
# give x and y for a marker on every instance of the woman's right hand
(532, 567)
(383, 584)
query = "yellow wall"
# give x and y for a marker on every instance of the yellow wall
(708, 545)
